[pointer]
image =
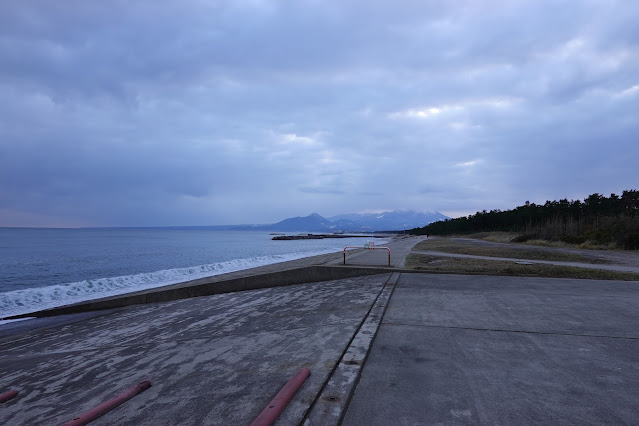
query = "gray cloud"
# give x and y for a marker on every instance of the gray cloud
(178, 113)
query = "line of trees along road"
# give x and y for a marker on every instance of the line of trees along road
(612, 221)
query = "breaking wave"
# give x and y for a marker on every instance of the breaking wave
(24, 301)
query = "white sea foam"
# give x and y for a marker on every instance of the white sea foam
(24, 301)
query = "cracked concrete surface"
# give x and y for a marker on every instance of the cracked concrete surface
(212, 360)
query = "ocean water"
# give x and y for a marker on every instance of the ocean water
(44, 268)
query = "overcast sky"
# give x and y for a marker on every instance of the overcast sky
(151, 113)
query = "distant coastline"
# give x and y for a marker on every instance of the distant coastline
(321, 236)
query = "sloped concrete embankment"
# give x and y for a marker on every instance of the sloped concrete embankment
(212, 285)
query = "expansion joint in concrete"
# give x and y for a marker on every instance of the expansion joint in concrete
(500, 330)
(329, 407)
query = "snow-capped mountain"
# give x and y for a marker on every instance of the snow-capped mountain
(396, 220)
(392, 220)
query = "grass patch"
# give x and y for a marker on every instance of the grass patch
(588, 245)
(512, 237)
(494, 236)
(504, 268)
(513, 252)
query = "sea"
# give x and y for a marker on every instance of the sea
(44, 268)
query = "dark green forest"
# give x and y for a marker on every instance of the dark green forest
(608, 221)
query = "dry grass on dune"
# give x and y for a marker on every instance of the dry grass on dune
(505, 268)
(514, 252)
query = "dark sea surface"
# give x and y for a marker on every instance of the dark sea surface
(42, 268)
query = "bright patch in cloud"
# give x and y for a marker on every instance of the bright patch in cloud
(463, 105)
(292, 138)
(420, 113)
(424, 112)
(468, 164)
(631, 91)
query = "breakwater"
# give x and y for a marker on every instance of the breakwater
(319, 236)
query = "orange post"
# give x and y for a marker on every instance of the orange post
(273, 410)
(8, 395)
(109, 405)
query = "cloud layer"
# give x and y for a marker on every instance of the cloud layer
(216, 112)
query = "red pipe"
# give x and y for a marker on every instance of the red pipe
(8, 395)
(109, 405)
(273, 410)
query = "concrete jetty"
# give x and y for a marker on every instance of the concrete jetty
(384, 347)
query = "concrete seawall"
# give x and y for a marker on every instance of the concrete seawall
(210, 286)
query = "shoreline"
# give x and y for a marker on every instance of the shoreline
(180, 287)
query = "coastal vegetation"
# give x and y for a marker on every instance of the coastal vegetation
(473, 266)
(611, 222)
(465, 247)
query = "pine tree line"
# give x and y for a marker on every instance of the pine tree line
(602, 220)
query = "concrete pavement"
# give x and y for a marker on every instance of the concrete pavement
(399, 249)
(501, 350)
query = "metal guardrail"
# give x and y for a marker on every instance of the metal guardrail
(368, 248)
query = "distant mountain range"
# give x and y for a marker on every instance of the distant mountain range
(396, 220)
